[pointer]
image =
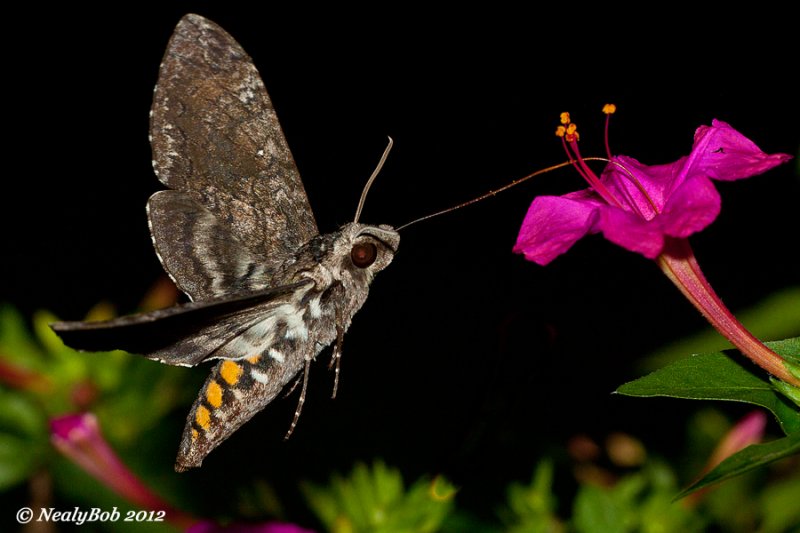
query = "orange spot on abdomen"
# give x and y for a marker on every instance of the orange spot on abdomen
(230, 372)
(214, 394)
(203, 417)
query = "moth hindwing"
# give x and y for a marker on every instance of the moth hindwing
(236, 233)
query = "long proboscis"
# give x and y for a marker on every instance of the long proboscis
(496, 191)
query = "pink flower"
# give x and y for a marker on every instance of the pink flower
(749, 430)
(637, 206)
(652, 210)
(78, 437)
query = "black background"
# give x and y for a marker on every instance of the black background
(466, 359)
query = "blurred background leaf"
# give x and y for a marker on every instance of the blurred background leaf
(373, 499)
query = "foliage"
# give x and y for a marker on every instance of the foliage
(642, 501)
(374, 499)
(722, 376)
(48, 379)
(42, 380)
(531, 508)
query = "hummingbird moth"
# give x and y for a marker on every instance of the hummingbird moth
(235, 232)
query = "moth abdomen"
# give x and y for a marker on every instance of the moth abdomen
(233, 393)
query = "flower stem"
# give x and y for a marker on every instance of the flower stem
(677, 261)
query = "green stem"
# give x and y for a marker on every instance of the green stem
(677, 261)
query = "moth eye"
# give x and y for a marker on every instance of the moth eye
(364, 254)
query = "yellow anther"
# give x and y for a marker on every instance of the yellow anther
(572, 133)
(565, 118)
(609, 109)
(561, 131)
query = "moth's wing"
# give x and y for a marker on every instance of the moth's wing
(215, 135)
(183, 334)
(203, 256)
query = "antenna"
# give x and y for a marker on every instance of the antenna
(372, 178)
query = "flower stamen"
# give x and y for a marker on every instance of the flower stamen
(639, 186)
(568, 132)
(608, 109)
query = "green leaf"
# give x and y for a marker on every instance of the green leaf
(779, 507)
(596, 511)
(23, 438)
(373, 499)
(751, 457)
(789, 349)
(788, 390)
(718, 376)
(21, 416)
(531, 508)
(16, 342)
(794, 368)
(322, 502)
(18, 459)
(640, 502)
(70, 366)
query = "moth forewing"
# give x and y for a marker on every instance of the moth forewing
(236, 233)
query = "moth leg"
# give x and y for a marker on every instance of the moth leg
(301, 401)
(336, 359)
(295, 383)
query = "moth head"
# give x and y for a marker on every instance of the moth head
(366, 250)
(358, 251)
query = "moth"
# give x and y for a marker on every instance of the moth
(235, 232)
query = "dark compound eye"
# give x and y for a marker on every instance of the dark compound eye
(364, 254)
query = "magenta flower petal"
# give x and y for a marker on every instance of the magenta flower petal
(692, 207)
(62, 428)
(722, 153)
(629, 180)
(78, 437)
(749, 430)
(632, 232)
(553, 224)
(643, 204)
